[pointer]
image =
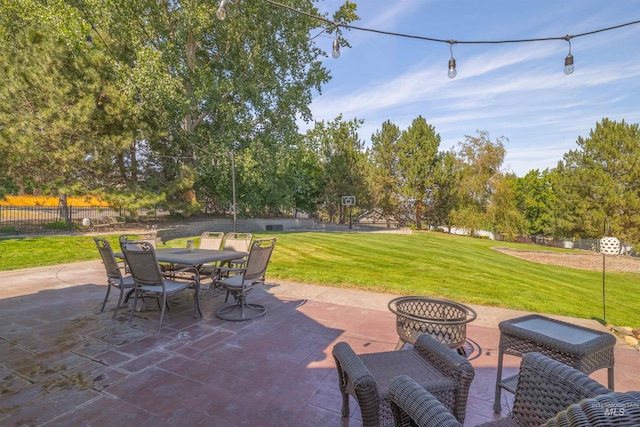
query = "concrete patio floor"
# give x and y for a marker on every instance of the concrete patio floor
(63, 363)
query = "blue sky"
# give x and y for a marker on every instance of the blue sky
(515, 90)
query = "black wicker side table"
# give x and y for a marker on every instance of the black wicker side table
(584, 349)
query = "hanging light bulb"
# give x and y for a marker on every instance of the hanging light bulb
(89, 41)
(568, 64)
(452, 69)
(452, 64)
(568, 61)
(336, 49)
(222, 10)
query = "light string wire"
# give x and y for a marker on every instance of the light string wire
(449, 41)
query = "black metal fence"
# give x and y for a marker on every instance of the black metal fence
(54, 219)
(584, 244)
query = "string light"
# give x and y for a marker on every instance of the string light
(89, 41)
(222, 10)
(336, 48)
(452, 62)
(568, 61)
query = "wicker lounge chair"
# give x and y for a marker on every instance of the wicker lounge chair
(614, 409)
(436, 367)
(545, 388)
(412, 405)
(115, 277)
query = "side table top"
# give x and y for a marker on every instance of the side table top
(557, 334)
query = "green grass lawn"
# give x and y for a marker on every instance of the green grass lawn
(423, 263)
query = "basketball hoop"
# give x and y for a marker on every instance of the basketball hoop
(348, 200)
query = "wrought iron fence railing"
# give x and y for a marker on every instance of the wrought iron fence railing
(52, 219)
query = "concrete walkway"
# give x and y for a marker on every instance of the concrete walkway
(62, 362)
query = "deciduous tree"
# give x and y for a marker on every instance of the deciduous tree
(480, 160)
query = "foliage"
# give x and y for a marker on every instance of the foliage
(447, 176)
(384, 176)
(503, 211)
(600, 180)
(59, 225)
(342, 160)
(51, 201)
(536, 200)
(417, 150)
(162, 92)
(479, 160)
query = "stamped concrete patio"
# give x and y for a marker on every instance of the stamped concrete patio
(64, 363)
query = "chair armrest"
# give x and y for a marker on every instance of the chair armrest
(231, 269)
(447, 360)
(354, 377)
(546, 387)
(179, 274)
(410, 402)
(451, 364)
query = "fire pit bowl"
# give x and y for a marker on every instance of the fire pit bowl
(444, 320)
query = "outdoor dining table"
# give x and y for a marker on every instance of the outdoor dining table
(196, 257)
(193, 257)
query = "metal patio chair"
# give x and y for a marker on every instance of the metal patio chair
(244, 280)
(115, 276)
(240, 242)
(150, 280)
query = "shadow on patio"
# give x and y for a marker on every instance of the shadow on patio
(64, 363)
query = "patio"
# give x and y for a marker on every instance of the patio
(63, 363)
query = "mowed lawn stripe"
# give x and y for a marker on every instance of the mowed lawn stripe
(441, 265)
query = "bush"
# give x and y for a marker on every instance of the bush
(60, 225)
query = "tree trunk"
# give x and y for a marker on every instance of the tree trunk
(419, 214)
(63, 208)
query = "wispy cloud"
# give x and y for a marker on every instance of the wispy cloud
(516, 90)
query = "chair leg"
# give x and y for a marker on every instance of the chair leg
(196, 297)
(126, 300)
(119, 302)
(106, 297)
(399, 345)
(135, 304)
(164, 303)
(345, 405)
